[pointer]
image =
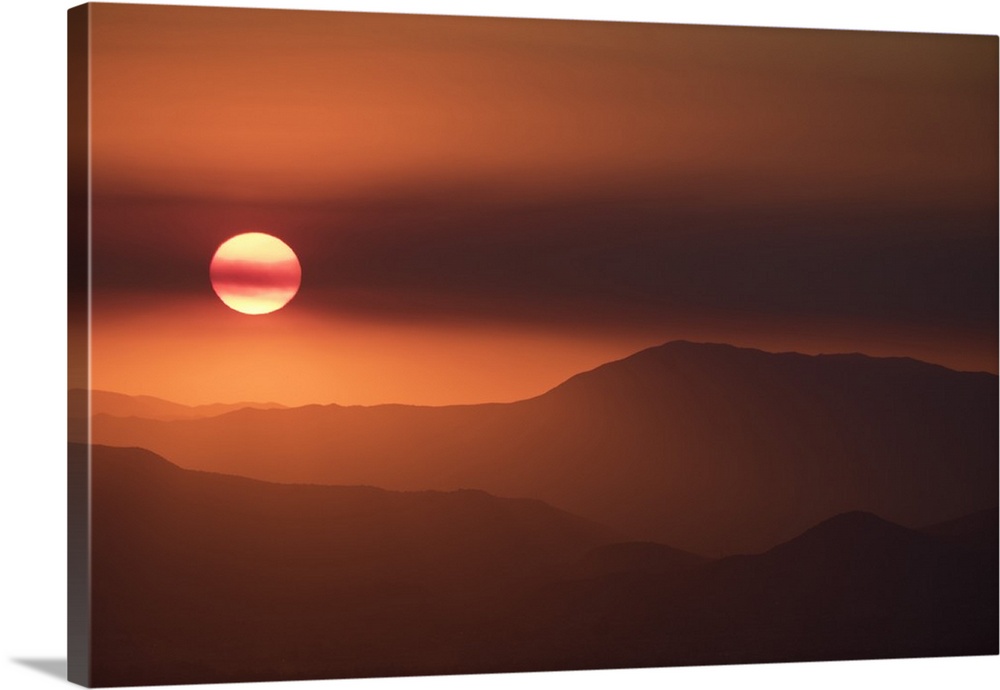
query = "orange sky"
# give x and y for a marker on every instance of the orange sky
(203, 352)
(483, 207)
(278, 104)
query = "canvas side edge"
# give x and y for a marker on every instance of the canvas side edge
(78, 345)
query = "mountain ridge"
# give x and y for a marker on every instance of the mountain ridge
(194, 573)
(209, 409)
(682, 344)
(342, 513)
(712, 448)
(150, 407)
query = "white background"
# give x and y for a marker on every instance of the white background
(32, 336)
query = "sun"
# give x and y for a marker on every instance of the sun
(255, 273)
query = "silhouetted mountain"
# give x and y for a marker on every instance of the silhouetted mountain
(981, 530)
(853, 587)
(148, 407)
(200, 576)
(859, 586)
(710, 448)
(363, 530)
(849, 538)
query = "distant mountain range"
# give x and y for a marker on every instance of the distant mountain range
(709, 448)
(200, 577)
(148, 407)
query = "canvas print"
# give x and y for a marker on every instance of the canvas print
(421, 345)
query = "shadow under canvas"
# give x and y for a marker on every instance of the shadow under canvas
(51, 667)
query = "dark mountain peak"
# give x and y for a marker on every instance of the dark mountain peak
(695, 346)
(644, 368)
(684, 374)
(692, 348)
(690, 353)
(852, 536)
(852, 522)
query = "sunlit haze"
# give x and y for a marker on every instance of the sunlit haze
(494, 205)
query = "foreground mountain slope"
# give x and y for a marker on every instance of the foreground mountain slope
(360, 530)
(710, 448)
(199, 576)
(208, 578)
(852, 587)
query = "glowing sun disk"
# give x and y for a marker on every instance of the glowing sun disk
(255, 273)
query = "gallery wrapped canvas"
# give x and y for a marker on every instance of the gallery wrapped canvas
(422, 345)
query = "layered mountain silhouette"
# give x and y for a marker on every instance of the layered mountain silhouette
(200, 577)
(709, 448)
(980, 530)
(852, 587)
(149, 407)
